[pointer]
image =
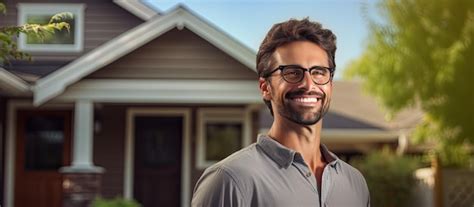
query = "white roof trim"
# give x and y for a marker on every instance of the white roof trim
(344, 135)
(163, 91)
(12, 83)
(55, 83)
(138, 8)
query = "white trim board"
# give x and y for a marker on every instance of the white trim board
(10, 144)
(186, 149)
(358, 135)
(343, 135)
(54, 84)
(138, 8)
(164, 91)
(12, 83)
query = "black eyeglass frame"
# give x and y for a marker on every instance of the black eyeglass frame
(282, 67)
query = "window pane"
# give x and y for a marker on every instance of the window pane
(44, 143)
(59, 37)
(222, 139)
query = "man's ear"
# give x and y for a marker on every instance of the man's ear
(265, 89)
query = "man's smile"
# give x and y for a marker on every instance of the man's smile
(304, 99)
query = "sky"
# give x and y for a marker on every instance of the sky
(248, 21)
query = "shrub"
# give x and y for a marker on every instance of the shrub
(116, 202)
(390, 177)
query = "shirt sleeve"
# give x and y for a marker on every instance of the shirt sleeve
(217, 188)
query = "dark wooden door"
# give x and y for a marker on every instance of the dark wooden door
(43, 145)
(157, 160)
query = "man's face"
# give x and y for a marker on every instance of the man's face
(304, 102)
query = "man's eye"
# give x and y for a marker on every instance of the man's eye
(318, 72)
(292, 75)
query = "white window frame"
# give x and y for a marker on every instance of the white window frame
(47, 8)
(218, 115)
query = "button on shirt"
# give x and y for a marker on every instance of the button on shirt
(267, 173)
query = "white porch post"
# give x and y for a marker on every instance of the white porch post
(83, 146)
(83, 134)
(82, 180)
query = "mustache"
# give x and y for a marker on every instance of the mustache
(292, 94)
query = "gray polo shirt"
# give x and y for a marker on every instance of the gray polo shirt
(267, 173)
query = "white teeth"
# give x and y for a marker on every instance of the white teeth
(306, 100)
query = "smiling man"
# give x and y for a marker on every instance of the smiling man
(288, 166)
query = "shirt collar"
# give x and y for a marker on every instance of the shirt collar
(284, 156)
(330, 157)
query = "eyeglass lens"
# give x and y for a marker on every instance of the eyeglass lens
(295, 74)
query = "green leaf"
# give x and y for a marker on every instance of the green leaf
(61, 17)
(8, 46)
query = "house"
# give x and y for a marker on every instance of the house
(145, 99)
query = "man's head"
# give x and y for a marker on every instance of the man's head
(287, 51)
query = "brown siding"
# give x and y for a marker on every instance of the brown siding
(109, 146)
(104, 20)
(177, 54)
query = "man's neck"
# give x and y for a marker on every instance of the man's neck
(303, 139)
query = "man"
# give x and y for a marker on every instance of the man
(288, 166)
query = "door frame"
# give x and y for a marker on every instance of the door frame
(185, 147)
(10, 143)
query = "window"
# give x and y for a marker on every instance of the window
(60, 41)
(221, 132)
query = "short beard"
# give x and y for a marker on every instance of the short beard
(296, 117)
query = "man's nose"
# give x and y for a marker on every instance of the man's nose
(307, 82)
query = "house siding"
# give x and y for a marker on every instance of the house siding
(109, 148)
(103, 21)
(177, 54)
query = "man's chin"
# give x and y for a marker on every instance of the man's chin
(307, 121)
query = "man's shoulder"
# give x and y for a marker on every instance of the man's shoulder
(239, 163)
(349, 169)
(228, 180)
(354, 176)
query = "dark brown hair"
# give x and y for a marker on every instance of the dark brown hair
(290, 31)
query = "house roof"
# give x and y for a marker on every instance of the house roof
(55, 83)
(12, 84)
(138, 8)
(349, 99)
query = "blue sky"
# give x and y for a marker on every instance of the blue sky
(249, 20)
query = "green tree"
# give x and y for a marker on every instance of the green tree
(8, 47)
(421, 52)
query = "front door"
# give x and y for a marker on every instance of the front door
(42, 147)
(157, 162)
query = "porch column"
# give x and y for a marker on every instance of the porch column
(82, 180)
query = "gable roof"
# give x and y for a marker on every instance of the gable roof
(138, 8)
(180, 17)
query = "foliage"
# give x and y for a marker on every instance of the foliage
(8, 46)
(116, 202)
(421, 52)
(389, 177)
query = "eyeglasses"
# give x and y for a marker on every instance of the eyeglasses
(295, 73)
